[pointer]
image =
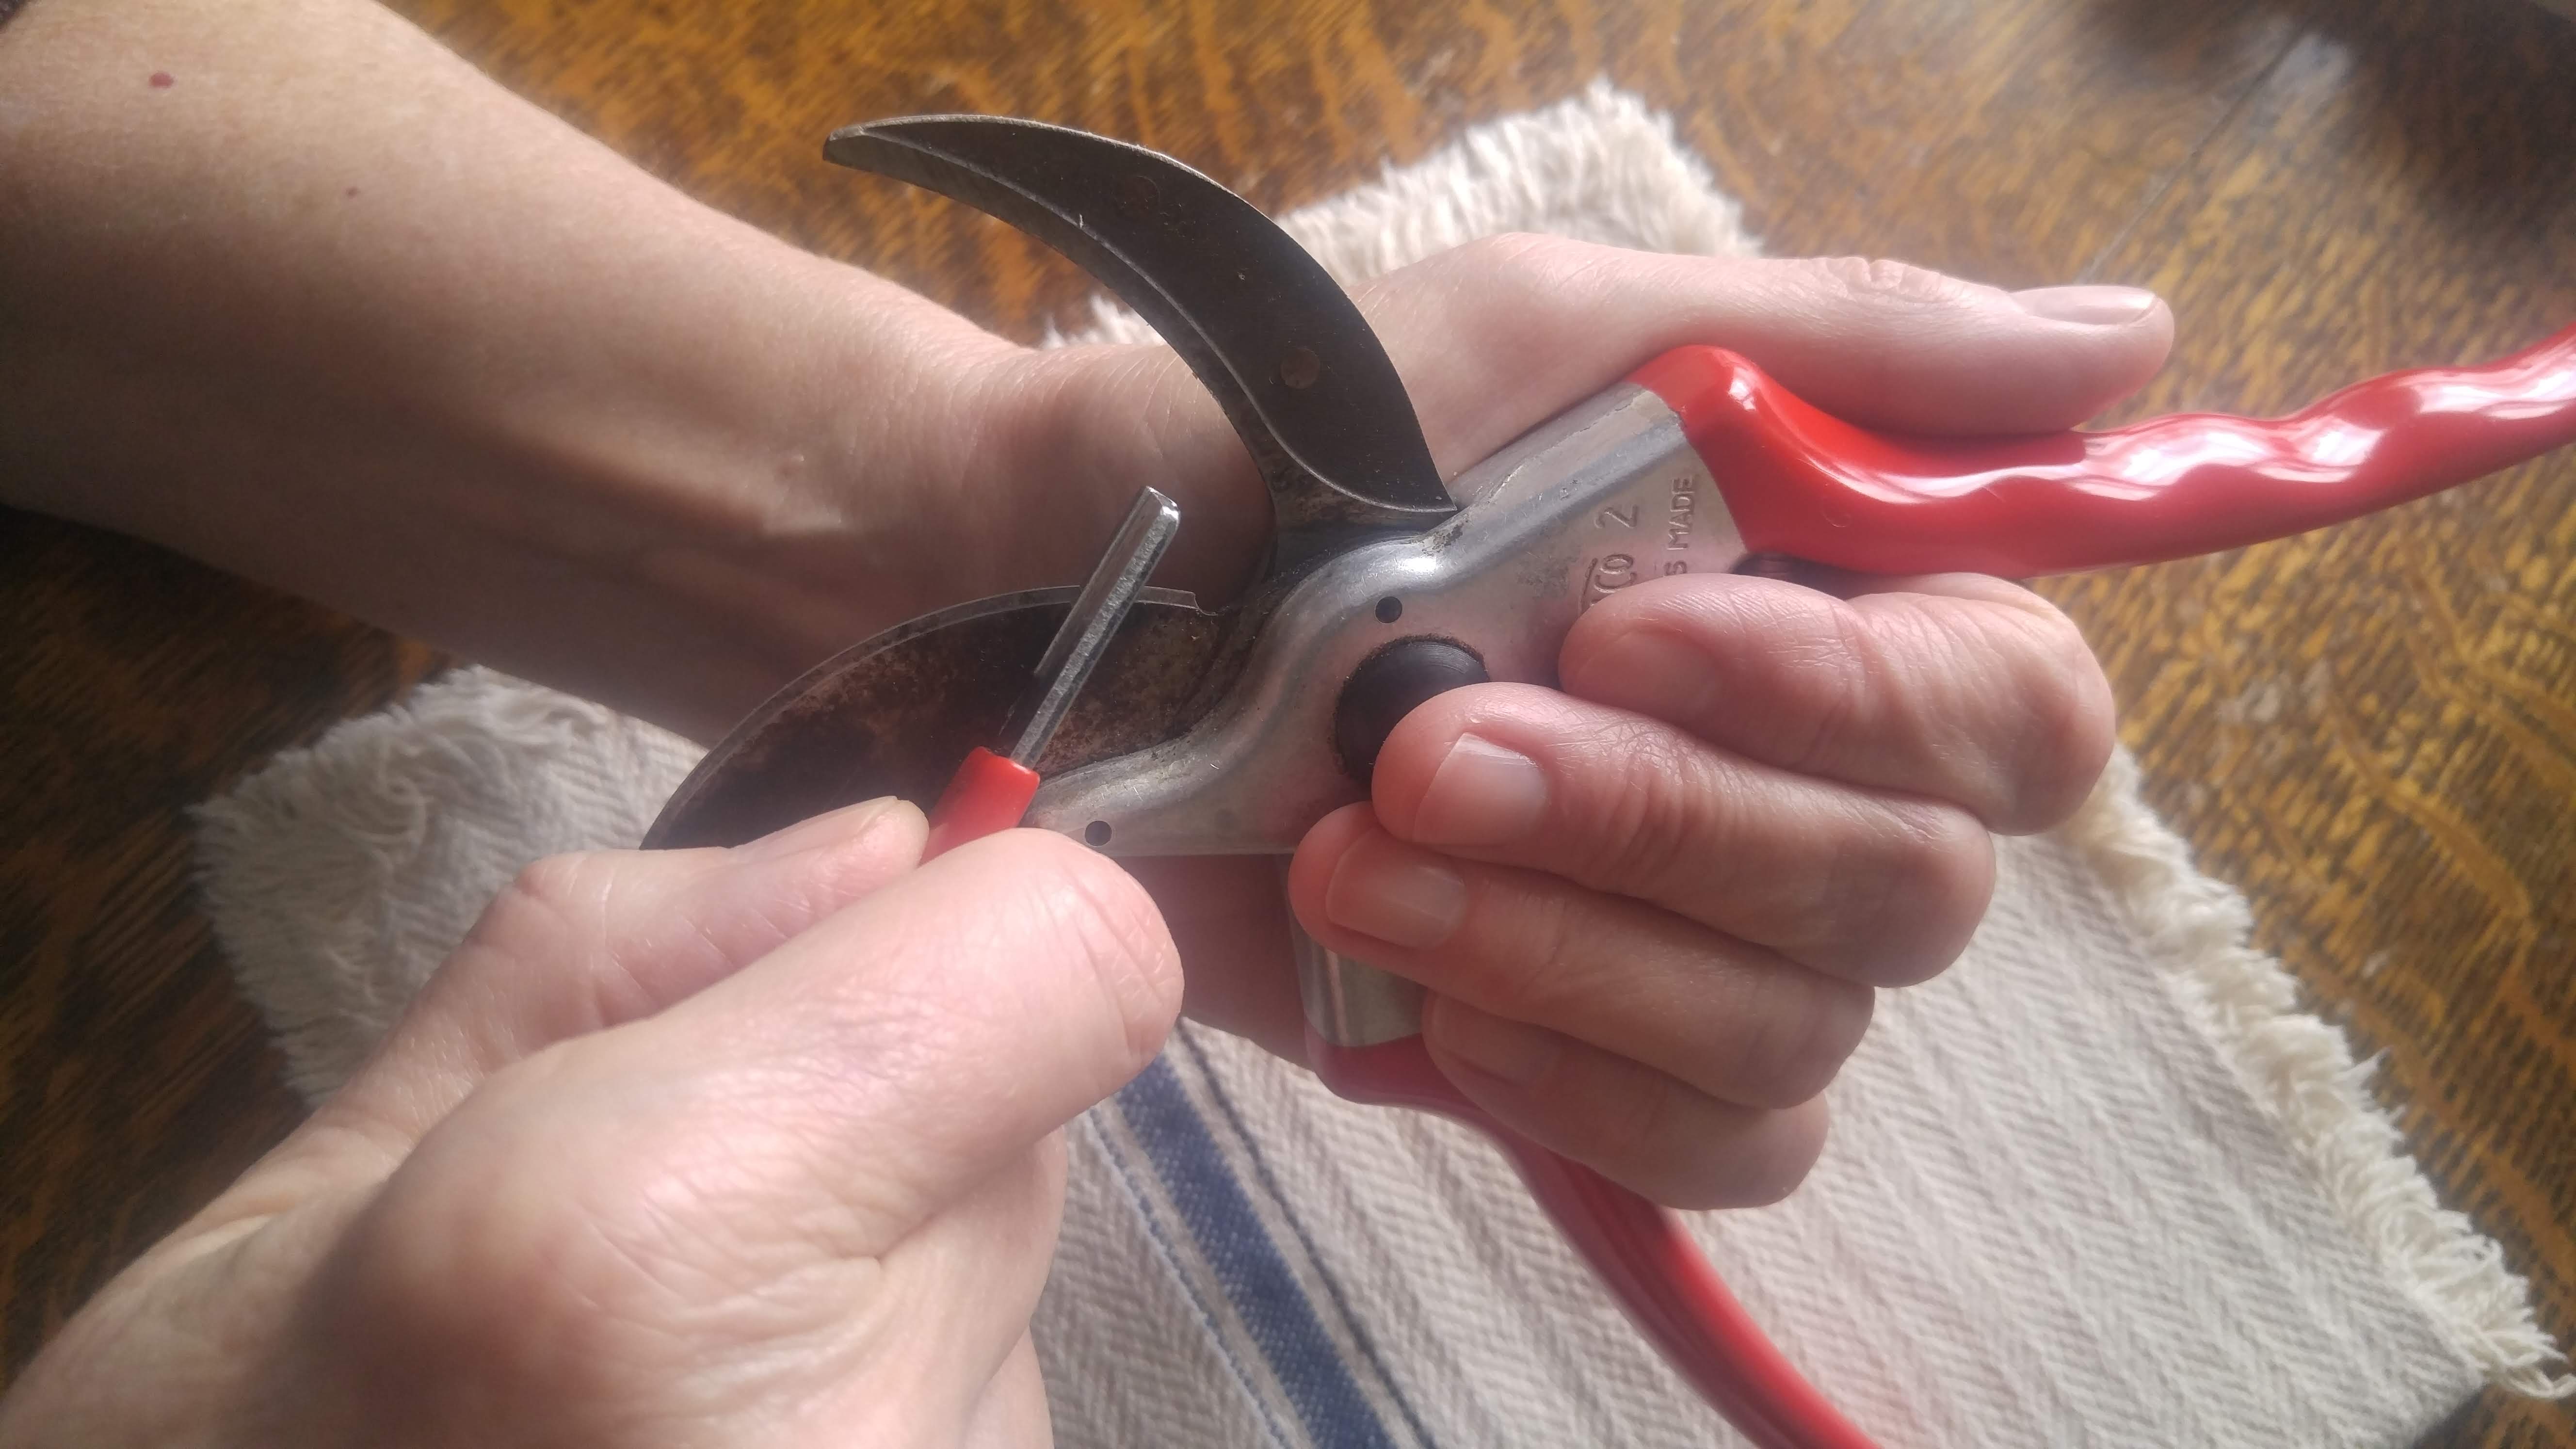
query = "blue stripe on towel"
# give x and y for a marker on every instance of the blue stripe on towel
(1267, 1183)
(1248, 1267)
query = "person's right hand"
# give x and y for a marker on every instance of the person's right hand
(749, 1146)
(1651, 911)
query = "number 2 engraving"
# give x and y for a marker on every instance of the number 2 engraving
(1625, 517)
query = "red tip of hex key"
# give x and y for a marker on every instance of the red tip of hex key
(987, 794)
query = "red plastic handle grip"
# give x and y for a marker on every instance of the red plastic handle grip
(1803, 483)
(1640, 1251)
(988, 793)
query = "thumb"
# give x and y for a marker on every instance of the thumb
(1493, 337)
(904, 1048)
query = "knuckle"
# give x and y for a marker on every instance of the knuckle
(2070, 727)
(1522, 259)
(1533, 966)
(1769, 1162)
(1525, 283)
(1925, 897)
(1644, 1133)
(1653, 816)
(2024, 721)
(1796, 1029)
(1862, 887)
(1950, 856)
(513, 1292)
(1962, 885)
(548, 901)
(1880, 280)
(561, 880)
(1684, 1152)
(1836, 678)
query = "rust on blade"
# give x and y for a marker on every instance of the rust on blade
(894, 715)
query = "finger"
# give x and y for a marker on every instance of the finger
(921, 1036)
(1736, 1022)
(1643, 1129)
(1958, 687)
(579, 943)
(1877, 888)
(1879, 343)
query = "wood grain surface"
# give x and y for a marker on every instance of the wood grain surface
(2373, 731)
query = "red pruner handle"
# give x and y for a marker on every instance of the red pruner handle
(1803, 483)
(987, 794)
(1641, 1253)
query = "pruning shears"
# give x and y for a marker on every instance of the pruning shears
(1233, 731)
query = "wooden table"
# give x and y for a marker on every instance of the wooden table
(2373, 731)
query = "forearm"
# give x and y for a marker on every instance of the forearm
(289, 287)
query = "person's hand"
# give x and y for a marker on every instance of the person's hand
(557, 417)
(1652, 910)
(707, 1147)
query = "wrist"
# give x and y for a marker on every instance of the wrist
(810, 478)
(968, 468)
(1072, 433)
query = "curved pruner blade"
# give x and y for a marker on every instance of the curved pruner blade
(1287, 355)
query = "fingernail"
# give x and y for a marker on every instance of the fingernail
(1515, 1051)
(846, 823)
(1398, 894)
(1482, 794)
(1652, 673)
(2093, 306)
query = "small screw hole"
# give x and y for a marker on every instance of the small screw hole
(1390, 609)
(1097, 833)
(1301, 368)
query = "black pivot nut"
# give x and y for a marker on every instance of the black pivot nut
(1387, 686)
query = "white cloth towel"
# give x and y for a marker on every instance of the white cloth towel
(2101, 1184)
